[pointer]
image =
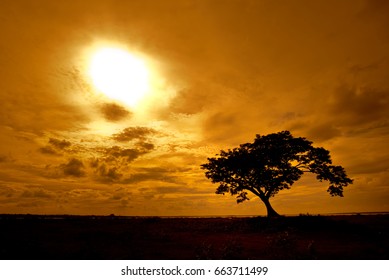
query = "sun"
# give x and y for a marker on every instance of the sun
(119, 75)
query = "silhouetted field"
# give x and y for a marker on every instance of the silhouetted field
(302, 237)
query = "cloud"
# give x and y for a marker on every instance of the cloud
(181, 190)
(151, 174)
(3, 158)
(105, 163)
(107, 174)
(43, 109)
(114, 161)
(161, 174)
(358, 105)
(177, 193)
(323, 132)
(347, 110)
(59, 144)
(131, 133)
(31, 204)
(33, 192)
(190, 100)
(74, 167)
(360, 68)
(114, 112)
(48, 150)
(145, 146)
(21, 195)
(121, 194)
(55, 146)
(376, 11)
(116, 152)
(6, 191)
(223, 126)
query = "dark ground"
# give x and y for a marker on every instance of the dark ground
(88, 237)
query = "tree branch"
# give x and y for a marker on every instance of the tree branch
(254, 191)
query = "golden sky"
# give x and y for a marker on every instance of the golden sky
(222, 71)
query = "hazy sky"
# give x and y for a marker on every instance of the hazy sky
(224, 71)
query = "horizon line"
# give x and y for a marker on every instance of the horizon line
(201, 216)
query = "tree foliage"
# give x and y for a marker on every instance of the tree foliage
(270, 164)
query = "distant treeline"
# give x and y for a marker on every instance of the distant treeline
(112, 216)
(59, 217)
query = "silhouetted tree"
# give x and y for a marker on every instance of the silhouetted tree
(270, 164)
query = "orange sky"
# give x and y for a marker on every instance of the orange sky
(227, 70)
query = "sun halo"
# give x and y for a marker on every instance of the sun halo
(119, 75)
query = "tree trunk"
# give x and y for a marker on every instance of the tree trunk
(271, 213)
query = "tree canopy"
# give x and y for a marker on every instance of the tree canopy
(270, 164)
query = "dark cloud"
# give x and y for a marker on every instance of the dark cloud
(121, 194)
(376, 11)
(28, 204)
(107, 174)
(37, 111)
(106, 170)
(36, 193)
(149, 176)
(163, 169)
(74, 168)
(48, 150)
(347, 111)
(6, 191)
(190, 100)
(359, 68)
(55, 146)
(370, 165)
(222, 126)
(94, 163)
(181, 189)
(286, 117)
(115, 152)
(3, 158)
(114, 112)
(322, 132)
(145, 146)
(161, 174)
(115, 160)
(59, 144)
(359, 105)
(131, 133)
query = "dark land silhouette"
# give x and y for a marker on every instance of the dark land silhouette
(112, 237)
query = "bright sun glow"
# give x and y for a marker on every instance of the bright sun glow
(119, 75)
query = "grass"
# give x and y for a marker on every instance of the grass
(303, 237)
